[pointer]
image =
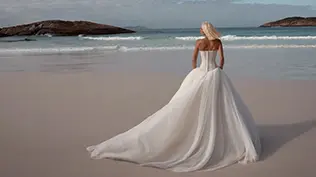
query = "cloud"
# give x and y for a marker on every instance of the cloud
(151, 13)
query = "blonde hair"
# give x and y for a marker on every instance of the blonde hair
(210, 31)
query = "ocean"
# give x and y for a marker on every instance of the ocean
(281, 44)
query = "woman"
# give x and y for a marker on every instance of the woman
(205, 125)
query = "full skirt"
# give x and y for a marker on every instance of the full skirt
(205, 126)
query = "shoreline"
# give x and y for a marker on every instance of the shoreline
(280, 64)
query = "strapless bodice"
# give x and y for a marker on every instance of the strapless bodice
(208, 60)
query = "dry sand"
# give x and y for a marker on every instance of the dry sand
(47, 120)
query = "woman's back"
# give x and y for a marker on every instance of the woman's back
(206, 45)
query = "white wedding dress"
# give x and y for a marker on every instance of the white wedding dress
(205, 126)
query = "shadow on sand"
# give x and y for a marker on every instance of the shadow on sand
(274, 137)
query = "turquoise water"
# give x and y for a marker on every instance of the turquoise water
(162, 39)
(274, 53)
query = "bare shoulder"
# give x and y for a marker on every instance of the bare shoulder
(198, 42)
(219, 41)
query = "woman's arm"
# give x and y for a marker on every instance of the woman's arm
(195, 54)
(221, 53)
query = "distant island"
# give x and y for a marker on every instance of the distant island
(292, 22)
(61, 28)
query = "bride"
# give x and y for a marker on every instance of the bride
(205, 125)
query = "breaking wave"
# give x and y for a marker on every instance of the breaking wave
(235, 37)
(130, 38)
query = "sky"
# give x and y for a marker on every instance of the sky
(156, 13)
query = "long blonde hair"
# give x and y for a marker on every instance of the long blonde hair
(210, 32)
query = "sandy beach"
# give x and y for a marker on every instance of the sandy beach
(76, 73)
(48, 119)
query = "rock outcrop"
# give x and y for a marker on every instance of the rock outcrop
(292, 22)
(61, 28)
